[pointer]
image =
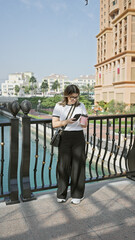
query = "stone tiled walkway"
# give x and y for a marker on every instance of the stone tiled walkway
(106, 213)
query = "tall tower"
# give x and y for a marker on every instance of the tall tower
(115, 68)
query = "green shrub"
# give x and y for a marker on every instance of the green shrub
(103, 105)
(111, 107)
(120, 107)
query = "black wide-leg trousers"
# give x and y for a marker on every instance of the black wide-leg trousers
(71, 164)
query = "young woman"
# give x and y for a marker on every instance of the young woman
(71, 152)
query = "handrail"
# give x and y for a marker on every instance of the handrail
(110, 116)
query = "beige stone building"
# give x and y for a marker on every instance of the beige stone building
(115, 68)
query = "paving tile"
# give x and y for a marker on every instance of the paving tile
(119, 216)
(121, 232)
(93, 215)
(10, 212)
(107, 212)
(130, 190)
(41, 206)
(86, 236)
(15, 229)
(107, 190)
(103, 214)
(59, 225)
(130, 221)
(97, 194)
(114, 191)
(127, 203)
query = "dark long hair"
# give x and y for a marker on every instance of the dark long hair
(70, 89)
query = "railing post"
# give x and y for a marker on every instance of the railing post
(131, 162)
(14, 107)
(26, 194)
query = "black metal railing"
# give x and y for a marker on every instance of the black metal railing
(110, 152)
(11, 192)
(2, 143)
(109, 143)
(46, 164)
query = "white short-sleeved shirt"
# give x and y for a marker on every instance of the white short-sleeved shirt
(62, 112)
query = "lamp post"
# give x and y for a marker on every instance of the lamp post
(38, 106)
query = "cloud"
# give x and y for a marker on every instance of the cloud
(58, 6)
(90, 15)
(26, 2)
(73, 34)
(36, 3)
(55, 6)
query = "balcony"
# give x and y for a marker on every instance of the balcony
(103, 148)
(120, 50)
(115, 29)
(114, 8)
(125, 33)
(120, 37)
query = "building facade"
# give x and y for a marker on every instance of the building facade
(115, 68)
(81, 81)
(85, 80)
(86, 83)
(20, 79)
(56, 77)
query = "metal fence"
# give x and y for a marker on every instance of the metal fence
(110, 153)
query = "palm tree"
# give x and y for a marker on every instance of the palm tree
(17, 89)
(32, 80)
(66, 84)
(44, 86)
(35, 88)
(88, 88)
(26, 89)
(56, 85)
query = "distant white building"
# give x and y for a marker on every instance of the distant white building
(84, 80)
(20, 79)
(62, 79)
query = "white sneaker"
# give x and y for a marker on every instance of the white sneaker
(76, 200)
(60, 200)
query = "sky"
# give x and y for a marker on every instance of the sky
(48, 36)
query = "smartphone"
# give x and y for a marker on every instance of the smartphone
(76, 116)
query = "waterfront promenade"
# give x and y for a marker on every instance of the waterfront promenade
(106, 213)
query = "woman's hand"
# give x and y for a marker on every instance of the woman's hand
(84, 126)
(70, 120)
(57, 123)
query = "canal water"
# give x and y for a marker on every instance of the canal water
(32, 162)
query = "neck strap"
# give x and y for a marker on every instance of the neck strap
(69, 114)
